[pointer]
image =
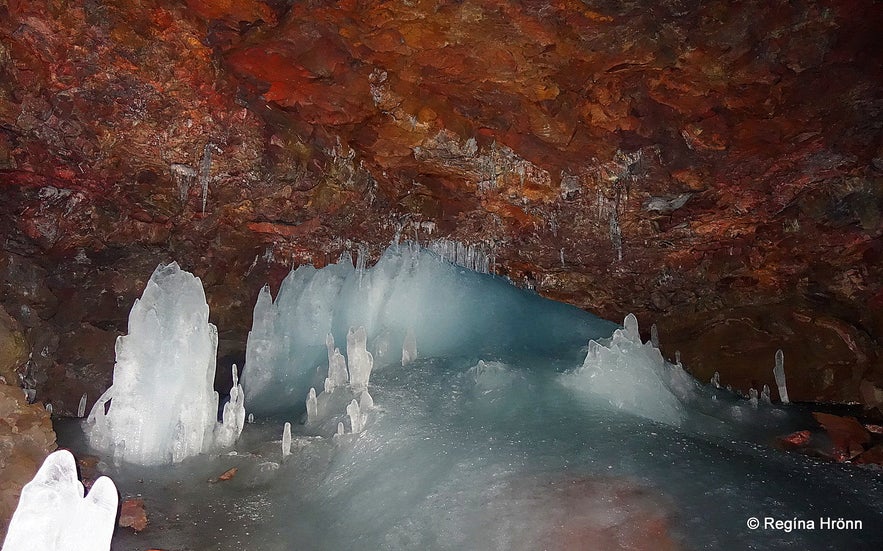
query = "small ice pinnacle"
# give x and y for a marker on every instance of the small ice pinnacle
(765, 394)
(354, 412)
(752, 397)
(654, 335)
(779, 374)
(678, 357)
(286, 439)
(409, 348)
(312, 406)
(715, 379)
(630, 325)
(49, 408)
(81, 409)
(250, 418)
(339, 429)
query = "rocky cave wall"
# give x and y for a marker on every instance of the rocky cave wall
(714, 167)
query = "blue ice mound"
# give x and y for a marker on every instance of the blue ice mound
(634, 377)
(162, 406)
(54, 515)
(412, 299)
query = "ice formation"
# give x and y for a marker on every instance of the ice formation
(449, 311)
(286, 439)
(54, 515)
(779, 374)
(162, 406)
(81, 408)
(346, 387)
(633, 376)
(409, 348)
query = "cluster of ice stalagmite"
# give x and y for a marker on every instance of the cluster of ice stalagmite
(162, 406)
(54, 515)
(344, 402)
(410, 296)
(633, 376)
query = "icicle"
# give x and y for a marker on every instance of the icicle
(715, 379)
(205, 168)
(561, 252)
(286, 439)
(654, 336)
(752, 397)
(616, 233)
(81, 409)
(779, 374)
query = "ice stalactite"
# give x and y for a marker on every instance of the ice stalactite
(615, 233)
(476, 257)
(633, 376)
(162, 406)
(409, 347)
(54, 514)
(779, 374)
(205, 170)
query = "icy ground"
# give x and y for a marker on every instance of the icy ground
(495, 421)
(459, 457)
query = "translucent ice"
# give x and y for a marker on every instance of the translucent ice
(53, 515)
(286, 439)
(779, 374)
(633, 376)
(162, 406)
(409, 348)
(359, 360)
(450, 311)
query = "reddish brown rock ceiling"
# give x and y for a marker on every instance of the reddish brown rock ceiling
(677, 159)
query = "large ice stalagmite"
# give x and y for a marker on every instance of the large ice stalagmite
(410, 296)
(162, 406)
(54, 515)
(633, 376)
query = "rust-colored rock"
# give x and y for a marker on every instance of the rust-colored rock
(133, 515)
(228, 474)
(26, 438)
(243, 137)
(795, 439)
(846, 433)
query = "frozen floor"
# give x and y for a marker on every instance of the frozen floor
(506, 457)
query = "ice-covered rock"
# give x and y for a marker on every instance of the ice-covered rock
(54, 515)
(162, 406)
